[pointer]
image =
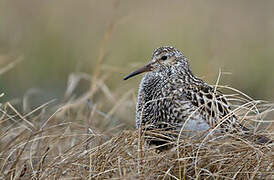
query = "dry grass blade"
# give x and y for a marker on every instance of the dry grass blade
(11, 65)
(21, 117)
(101, 54)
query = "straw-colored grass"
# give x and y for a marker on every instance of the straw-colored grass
(78, 140)
(69, 143)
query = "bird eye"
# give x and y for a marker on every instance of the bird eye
(164, 57)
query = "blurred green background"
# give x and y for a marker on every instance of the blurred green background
(56, 38)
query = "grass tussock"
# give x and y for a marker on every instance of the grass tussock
(69, 143)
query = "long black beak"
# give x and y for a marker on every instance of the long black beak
(146, 68)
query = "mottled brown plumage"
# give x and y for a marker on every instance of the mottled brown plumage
(171, 97)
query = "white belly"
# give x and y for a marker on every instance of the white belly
(195, 125)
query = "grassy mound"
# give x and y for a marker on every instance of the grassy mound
(61, 151)
(78, 141)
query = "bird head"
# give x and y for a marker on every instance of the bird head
(163, 59)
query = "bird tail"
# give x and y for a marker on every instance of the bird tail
(248, 134)
(259, 139)
(263, 140)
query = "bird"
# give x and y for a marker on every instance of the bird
(171, 97)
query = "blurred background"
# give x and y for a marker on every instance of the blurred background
(43, 42)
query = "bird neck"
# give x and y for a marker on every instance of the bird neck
(183, 74)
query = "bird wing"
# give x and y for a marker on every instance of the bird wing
(212, 104)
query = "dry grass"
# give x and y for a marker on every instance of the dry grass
(68, 142)
(76, 139)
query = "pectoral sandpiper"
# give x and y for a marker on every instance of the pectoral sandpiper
(171, 97)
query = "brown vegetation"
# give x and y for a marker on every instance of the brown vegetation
(70, 141)
(86, 137)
